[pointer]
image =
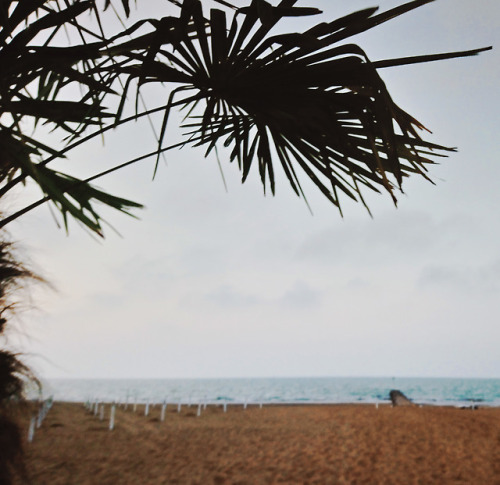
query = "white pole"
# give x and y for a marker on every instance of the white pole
(225, 406)
(135, 406)
(39, 419)
(31, 431)
(96, 405)
(376, 405)
(179, 407)
(260, 405)
(112, 418)
(146, 409)
(163, 408)
(198, 413)
(101, 413)
(245, 404)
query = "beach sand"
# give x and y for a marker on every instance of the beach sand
(321, 444)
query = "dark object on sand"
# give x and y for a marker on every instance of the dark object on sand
(399, 399)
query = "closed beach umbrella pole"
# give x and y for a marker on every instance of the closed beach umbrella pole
(31, 430)
(112, 418)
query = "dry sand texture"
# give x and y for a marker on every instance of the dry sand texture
(338, 444)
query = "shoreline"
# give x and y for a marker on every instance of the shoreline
(472, 404)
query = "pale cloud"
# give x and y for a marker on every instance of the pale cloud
(298, 295)
(228, 296)
(396, 238)
(301, 295)
(358, 284)
(479, 279)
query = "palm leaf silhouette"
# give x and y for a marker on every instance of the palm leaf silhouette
(33, 76)
(311, 103)
(305, 100)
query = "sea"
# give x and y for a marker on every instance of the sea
(303, 390)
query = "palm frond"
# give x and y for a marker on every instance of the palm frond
(51, 68)
(311, 103)
(299, 99)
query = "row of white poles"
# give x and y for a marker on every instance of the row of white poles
(96, 407)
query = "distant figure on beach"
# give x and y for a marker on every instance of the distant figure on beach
(399, 399)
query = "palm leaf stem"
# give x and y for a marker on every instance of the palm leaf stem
(61, 153)
(42, 200)
(402, 61)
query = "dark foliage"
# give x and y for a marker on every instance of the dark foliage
(311, 101)
(33, 77)
(13, 377)
(11, 450)
(14, 374)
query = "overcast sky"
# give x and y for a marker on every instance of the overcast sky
(216, 284)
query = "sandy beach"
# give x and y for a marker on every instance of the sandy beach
(321, 444)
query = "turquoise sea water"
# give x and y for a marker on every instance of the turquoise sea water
(438, 391)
